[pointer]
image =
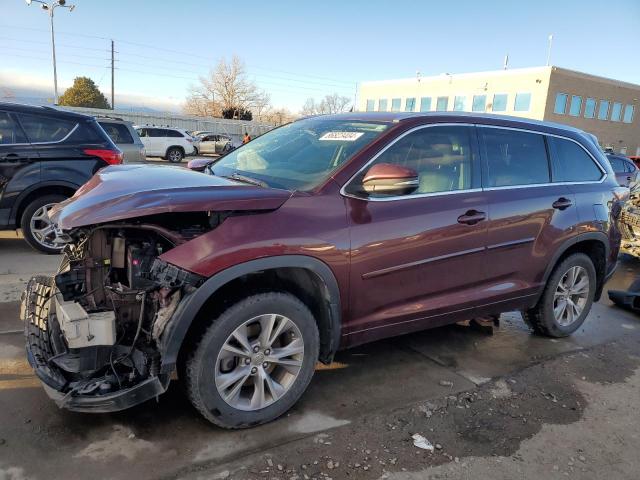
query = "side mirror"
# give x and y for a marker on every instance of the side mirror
(198, 164)
(389, 179)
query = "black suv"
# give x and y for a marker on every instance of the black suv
(46, 154)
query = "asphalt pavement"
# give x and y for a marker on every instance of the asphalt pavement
(371, 399)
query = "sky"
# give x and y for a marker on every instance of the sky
(300, 49)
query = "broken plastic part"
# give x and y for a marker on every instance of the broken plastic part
(421, 442)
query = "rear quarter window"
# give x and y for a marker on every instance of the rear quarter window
(44, 129)
(173, 134)
(572, 163)
(118, 132)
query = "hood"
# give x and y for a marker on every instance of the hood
(129, 191)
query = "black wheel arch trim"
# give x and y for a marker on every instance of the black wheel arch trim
(18, 204)
(599, 236)
(176, 330)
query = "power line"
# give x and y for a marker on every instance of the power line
(190, 54)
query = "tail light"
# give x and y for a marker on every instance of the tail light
(190, 140)
(112, 157)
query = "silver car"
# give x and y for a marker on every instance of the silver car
(214, 143)
(125, 137)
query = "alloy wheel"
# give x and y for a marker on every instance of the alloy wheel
(43, 230)
(571, 295)
(259, 362)
(175, 156)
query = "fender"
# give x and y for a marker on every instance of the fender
(41, 185)
(599, 236)
(182, 319)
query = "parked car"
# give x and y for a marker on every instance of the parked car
(323, 234)
(625, 170)
(216, 144)
(172, 144)
(635, 159)
(125, 137)
(45, 156)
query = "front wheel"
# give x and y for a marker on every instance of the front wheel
(175, 155)
(37, 229)
(254, 362)
(567, 298)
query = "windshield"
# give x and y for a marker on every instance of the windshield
(300, 155)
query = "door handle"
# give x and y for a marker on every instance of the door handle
(562, 203)
(471, 217)
(13, 157)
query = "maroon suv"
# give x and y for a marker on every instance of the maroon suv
(323, 234)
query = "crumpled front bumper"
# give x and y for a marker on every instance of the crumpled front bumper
(44, 341)
(630, 229)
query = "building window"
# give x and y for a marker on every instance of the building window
(458, 104)
(442, 103)
(479, 103)
(576, 106)
(425, 104)
(590, 108)
(523, 102)
(616, 112)
(382, 105)
(628, 114)
(500, 102)
(410, 105)
(395, 104)
(603, 111)
(561, 104)
(371, 105)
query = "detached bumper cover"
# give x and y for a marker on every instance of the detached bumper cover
(43, 341)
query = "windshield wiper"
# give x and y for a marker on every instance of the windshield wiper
(249, 180)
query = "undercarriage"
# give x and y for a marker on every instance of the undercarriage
(94, 330)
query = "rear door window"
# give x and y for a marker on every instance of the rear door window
(118, 132)
(156, 132)
(173, 133)
(42, 129)
(10, 131)
(513, 157)
(571, 163)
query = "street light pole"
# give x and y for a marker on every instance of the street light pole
(53, 54)
(50, 7)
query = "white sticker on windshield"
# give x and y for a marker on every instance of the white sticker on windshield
(341, 136)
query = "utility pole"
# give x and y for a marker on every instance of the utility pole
(53, 50)
(549, 50)
(113, 101)
(49, 8)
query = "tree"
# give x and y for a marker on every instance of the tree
(84, 93)
(333, 103)
(226, 88)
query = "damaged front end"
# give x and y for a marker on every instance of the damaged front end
(94, 329)
(630, 224)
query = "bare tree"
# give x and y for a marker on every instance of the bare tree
(333, 103)
(226, 87)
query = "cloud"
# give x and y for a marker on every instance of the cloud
(22, 87)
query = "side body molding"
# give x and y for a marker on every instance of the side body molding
(186, 312)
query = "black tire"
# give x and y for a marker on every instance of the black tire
(25, 222)
(175, 154)
(541, 318)
(200, 363)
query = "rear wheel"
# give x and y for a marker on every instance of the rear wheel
(175, 155)
(254, 362)
(567, 298)
(38, 230)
